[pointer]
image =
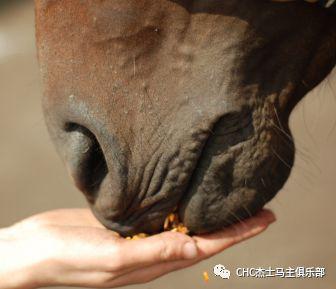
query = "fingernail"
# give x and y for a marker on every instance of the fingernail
(271, 218)
(268, 216)
(190, 250)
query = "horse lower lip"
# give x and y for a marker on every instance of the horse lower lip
(130, 227)
(111, 225)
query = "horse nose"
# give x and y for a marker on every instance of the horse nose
(85, 160)
(99, 165)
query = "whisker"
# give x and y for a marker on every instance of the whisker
(306, 125)
(280, 158)
(247, 211)
(300, 152)
(334, 97)
(288, 166)
(277, 116)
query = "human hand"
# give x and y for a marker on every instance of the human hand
(70, 247)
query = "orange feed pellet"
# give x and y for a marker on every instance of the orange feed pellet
(171, 223)
(205, 276)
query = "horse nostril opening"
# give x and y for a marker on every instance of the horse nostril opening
(85, 159)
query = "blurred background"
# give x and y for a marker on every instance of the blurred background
(32, 178)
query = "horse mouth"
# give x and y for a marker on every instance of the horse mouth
(155, 209)
(179, 180)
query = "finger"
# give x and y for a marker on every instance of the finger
(211, 244)
(167, 246)
(149, 256)
(224, 239)
(170, 246)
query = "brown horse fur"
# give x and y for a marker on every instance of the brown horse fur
(158, 106)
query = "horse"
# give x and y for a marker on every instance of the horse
(178, 106)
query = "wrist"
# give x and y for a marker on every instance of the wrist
(18, 268)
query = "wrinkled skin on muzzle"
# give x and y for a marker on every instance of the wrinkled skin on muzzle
(158, 106)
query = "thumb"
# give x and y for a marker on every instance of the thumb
(167, 246)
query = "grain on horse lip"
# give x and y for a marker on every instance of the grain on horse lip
(171, 223)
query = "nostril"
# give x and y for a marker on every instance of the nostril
(85, 159)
